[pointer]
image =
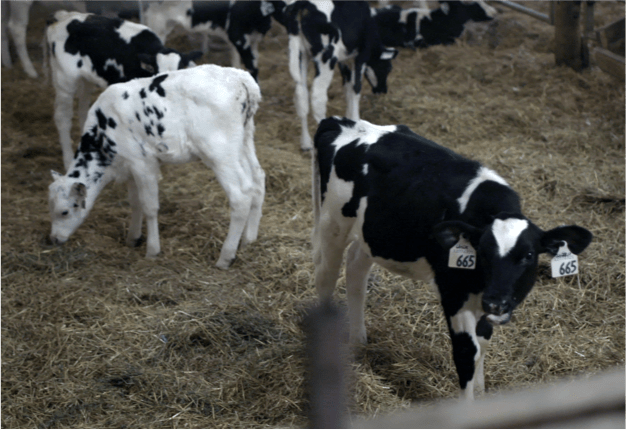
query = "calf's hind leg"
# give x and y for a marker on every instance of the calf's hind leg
(358, 266)
(329, 241)
(239, 188)
(147, 191)
(136, 215)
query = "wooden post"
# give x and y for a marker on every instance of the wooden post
(569, 49)
(327, 353)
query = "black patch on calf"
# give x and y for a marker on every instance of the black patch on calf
(215, 12)
(148, 130)
(95, 145)
(317, 68)
(326, 134)
(53, 48)
(79, 64)
(160, 129)
(484, 328)
(137, 116)
(74, 174)
(156, 85)
(125, 95)
(463, 351)
(328, 54)
(349, 167)
(142, 93)
(98, 38)
(112, 123)
(102, 120)
(158, 113)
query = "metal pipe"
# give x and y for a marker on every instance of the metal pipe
(527, 11)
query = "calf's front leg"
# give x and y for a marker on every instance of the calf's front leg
(469, 333)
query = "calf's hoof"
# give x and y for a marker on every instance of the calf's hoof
(134, 243)
(152, 253)
(224, 263)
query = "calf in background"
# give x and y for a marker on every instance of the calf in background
(419, 28)
(204, 113)
(87, 50)
(241, 23)
(402, 201)
(330, 33)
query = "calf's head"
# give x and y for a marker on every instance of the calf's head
(67, 203)
(465, 11)
(168, 60)
(507, 255)
(377, 70)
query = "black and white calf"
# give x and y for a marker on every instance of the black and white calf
(416, 27)
(204, 113)
(403, 202)
(87, 50)
(330, 33)
(15, 17)
(241, 23)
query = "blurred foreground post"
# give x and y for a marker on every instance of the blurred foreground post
(326, 350)
(569, 49)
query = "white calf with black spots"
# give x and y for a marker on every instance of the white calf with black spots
(87, 50)
(402, 201)
(204, 113)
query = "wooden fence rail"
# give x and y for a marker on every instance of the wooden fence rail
(523, 9)
(593, 402)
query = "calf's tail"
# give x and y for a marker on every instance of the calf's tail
(46, 57)
(316, 191)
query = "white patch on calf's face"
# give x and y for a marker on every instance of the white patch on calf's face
(499, 319)
(167, 62)
(506, 232)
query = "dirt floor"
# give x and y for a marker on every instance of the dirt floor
(95, 335)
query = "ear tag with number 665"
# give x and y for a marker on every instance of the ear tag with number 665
(462, 255)
(564, 263)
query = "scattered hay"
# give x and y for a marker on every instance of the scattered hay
(94, 335)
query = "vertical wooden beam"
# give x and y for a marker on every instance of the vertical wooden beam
(327, 353)
(569, 49)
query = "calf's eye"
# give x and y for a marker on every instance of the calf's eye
(64, 213)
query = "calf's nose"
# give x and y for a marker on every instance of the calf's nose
(494, 307)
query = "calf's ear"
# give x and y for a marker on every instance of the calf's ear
(448, 233)
(577, 238)
(55, 175)
(147, 62)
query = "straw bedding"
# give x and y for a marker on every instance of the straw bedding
(94, 335)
